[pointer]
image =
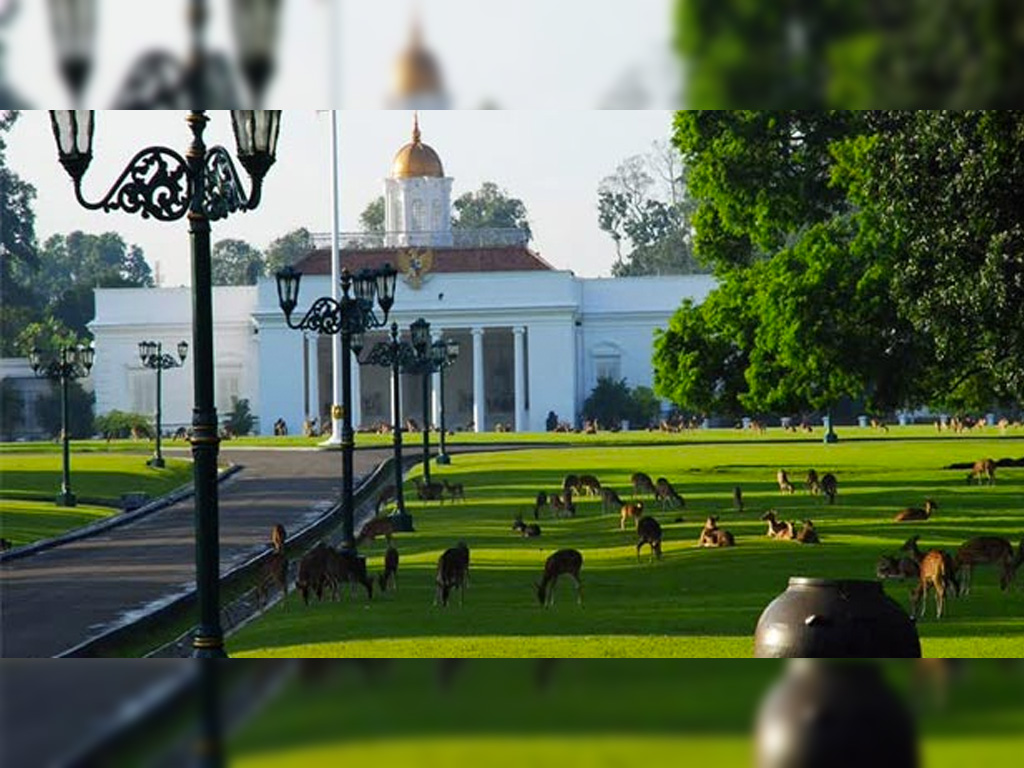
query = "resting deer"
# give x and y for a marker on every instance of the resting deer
(667, 495)
(378, 526)
(527, 531)
(986, 550)
(777, 529)
(610, 500)
(590, 485)
(808, 534)
(983, 470)
(812, 482)
(737, 498)
(454, 490)
(713, 536)
(911, 514)
(829, 487)
(642, 484)
(564, 562)
(632, 511)
(783, 480)
(452, 573)
(897, 568)
(389, 578)
(937, 572)
(648, 531)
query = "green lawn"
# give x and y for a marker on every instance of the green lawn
(29, 482)
(695, 602)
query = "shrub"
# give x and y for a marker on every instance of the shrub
(612, 402)
(119, 424)
(241, 420)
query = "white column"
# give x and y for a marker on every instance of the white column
(357, 394)
(519, 385)
(435, 386)
(479, 402)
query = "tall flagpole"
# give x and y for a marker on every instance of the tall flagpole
(336, 416)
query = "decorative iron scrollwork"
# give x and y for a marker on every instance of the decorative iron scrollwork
(156, 184)
(224, 193)
(324, 317)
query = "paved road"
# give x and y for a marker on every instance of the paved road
(54, 600)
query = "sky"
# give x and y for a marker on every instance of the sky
(553, 160)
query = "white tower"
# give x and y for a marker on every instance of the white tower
(417, 197)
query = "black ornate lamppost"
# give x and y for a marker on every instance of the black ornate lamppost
(396, 355)
(350, 316)
(70, 364)
(203, 185)
(152, 355)
(423, 364)
(444, 352)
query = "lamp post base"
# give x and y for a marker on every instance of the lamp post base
(66, 499)
(156, 462)
(443, 459)
(831, 437)
(402, 522)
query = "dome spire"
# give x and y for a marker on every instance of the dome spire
(416, 135)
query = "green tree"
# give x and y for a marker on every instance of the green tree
(287, 250)
(235, 262)
(372, 218)
(609, 403)
(240, 421)
(80, 411)
(491, 207)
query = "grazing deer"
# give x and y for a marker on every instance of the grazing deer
(808, 534)
(389, 577)
(571, 484)
(378, 526)
(983, 470)
(530, 531)
(313, 573)
(984, 550)
(590, 485)
(737, 498)
(937, 572)
(539, 503)
(812, 482)
(783, 480)
(911, 514)
(777, 529)
(610, 500)
(649, 532)
(632, 511)
(346, 567)
(667, 495)
(452, 573)
(428, 491)
(642, 484)
(897, 568)
(567, 562)
(829, 487)
(713, 536)
(278, 538)
(454, 490)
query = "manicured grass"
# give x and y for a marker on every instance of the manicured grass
(30, 482)
(695, 602)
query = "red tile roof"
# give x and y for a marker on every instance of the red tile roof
(496, 259)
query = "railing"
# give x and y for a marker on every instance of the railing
(459, 238)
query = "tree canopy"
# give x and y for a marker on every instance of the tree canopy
(288, 249)
(372, 217)
(236, 262)
(490, 207)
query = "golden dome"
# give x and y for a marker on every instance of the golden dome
(416, 159)
(417, 72)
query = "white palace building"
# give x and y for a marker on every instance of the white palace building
(533, 338)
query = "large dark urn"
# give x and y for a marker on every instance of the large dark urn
(825, 618)
(829, 714)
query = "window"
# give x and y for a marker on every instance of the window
(142, 388)
(227, 391)
(607, 367)
(418, 216)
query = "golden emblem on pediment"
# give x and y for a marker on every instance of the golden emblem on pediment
(415, 265)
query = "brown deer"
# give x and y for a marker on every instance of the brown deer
(313, 573)
(610, 500)
(898, 568)
(562, 506)
(812, 482)
(590, 485)
(564, 562)
(713, 536)
(378, 526)
(632, 511)
(667, 495)
(777, 529)
(984, 550)
(346, 567)
(648, 531)
(454, 491)
(527, 531)
(278, 536)
(388, 495)
(808, 534)
(983, 470)
(452, 573)
(388, 579)
(273, 572)
(737, 498)
(911, 514)
(642, 484)
(783, 480)
(937, 572)
(571, 484)
(829, 487)
(428, 491)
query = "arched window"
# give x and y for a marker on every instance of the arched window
(418, 216)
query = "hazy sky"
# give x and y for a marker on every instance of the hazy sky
(552, 160)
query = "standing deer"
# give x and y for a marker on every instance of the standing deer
(428, 491)
(389, 578)
(631, 511)
(648, 532)
(642, 484)
(278, 536)
(983, 470)
(713, 536)
(273, 572)
(590, 485)
(808, 534)
(313, 573)
(346, 567)
(783, 480)
(737, 498)
(378, 526)
(452, 573)
(571, 484)
(610, 500)
(539, 503)
(777, 529)
(937, 572)
(984, 550)
(667, 495)
(564, 562)
(812, 482)
(911, 514)
(829, 487)
(454, 491)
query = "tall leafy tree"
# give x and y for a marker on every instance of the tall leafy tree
(236, 262)
(288, 249)
(490, 207)
(372, 218)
